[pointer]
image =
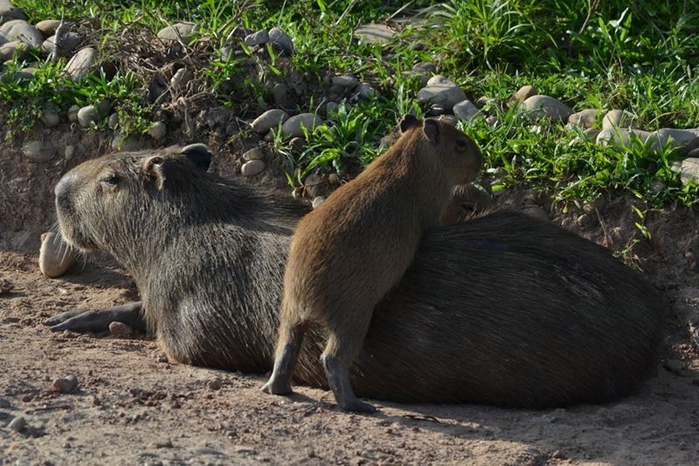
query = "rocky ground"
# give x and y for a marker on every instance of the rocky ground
(104, 399)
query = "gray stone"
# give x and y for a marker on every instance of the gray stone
(620, 119)
(181, 78)
(157, 130)
(73, 113)
(113, 120)
(331, 108)
(467, 111)
(374, 33)
(425, 67)
(318, 200)
(297, 144)
(257, 38)
(253, 154)
(69, 42)
(252, 168)
(333, 179)
(442, 92)
(585, 118)
(673, 137)
(18, 424)
(88, 116)
(125, 143)
(70, 152)
(620, 137)
(294, 126)
(345, 81)
(690, 170)
(269, 120)
(522, 94)
(543, 106)
(184, 32)
(55, 255)
(9, 49)
(365, 91)
(65, 384)
(81, 64)
(38, 151)
(48, 26)
(50, 119)
(279, 37)
(20, 30)
(9, 12)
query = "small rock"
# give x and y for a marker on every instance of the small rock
(374, 33)
(293, 127)
(253, 154)
(125, 143)
(39, 151)
(467, 111)
(318, 200)
(158, 130)
(69, 152)
(69, 42)
(620, 137)
(113, 120)
(585, 118)
(336, 92)
(522, 94)
(50, 119)
(4, 403)
(333, 178)
(331, 108)
(269, 120)
(17, 424)
(65, 384)
(9, 12)
(181, 78)
(252, 168)
(120, 330)
(297, 144)
(441, 91)
(312, 180)
(425, 67)
(364, 91)
(55, 255)
(20, 30)
(214, 384)
(540, 106)
(345, 81)
(81, 64)
(689, 170)
(73, 113)
(48, 26)
(671, 136)
(8, 49)
(279, 37)
(620, 119)
(184, 32)
(257, 38)
(88, 116)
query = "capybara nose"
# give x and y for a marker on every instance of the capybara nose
(63, 187)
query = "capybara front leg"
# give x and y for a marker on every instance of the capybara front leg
(287, 353)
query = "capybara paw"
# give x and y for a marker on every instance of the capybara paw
(274, 388)
(357, 406)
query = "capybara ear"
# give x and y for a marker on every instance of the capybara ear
(199, 155)
(431, 129)
(407, 122)
(153, 170)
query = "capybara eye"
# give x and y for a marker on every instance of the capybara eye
(110, 179)
(461, 144)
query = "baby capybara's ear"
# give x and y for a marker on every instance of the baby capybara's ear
(199, 155)
(431, 129)
(407, 122)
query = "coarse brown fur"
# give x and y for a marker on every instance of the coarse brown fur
(504, 309)
(351, 250)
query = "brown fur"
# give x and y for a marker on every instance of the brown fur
(504, 309)
(351, 250)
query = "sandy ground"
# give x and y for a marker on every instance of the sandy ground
(131, 406)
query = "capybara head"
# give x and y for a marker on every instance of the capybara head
(126, 193)
(459, 154)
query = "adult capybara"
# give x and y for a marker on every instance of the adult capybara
(504, 309)
(351, 250)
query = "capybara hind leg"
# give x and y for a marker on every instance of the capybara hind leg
(339, 354)
(288, 347)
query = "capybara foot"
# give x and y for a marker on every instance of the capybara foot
(273, 387)
(356, 405)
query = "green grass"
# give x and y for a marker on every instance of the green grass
(639, 56)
